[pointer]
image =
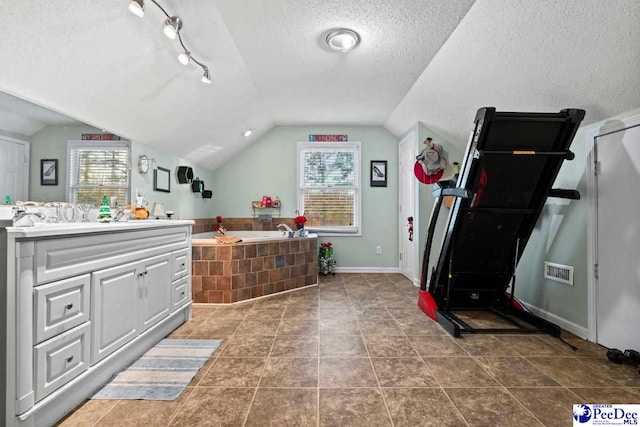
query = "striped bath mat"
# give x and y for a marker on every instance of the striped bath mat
(162, 373)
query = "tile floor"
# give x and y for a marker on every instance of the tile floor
(355, 351)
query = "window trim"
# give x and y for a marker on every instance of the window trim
(356, 230)
(78, 143)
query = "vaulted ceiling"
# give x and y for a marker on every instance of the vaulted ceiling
(434, 61)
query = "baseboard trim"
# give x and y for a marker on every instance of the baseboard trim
(367, 270)
(565, 324)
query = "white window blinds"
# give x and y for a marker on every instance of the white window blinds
(97, 169)
(329, 186)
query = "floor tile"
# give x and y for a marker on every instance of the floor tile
(403, 372)
(371, 327)
(214, 407)
(571, 372)
(551, 405)
(389, 346)
(342, 345)
(247, 346)
(216, 328)
(337, 326)
(484, 345)
(436, 345)
(290, 372)
(258, 327)
(529, 345)
(261, 312)
(233, 372)
(295, 346)
(353, 407)
(490, 407)
(134, 413)
(338, 314)
(301, 312)
(88, 413)
(346, 372)
(623, 374)
(293, 407)
(458, 372)
(425, 407)
(298, 327)
(515, 372)
(420, 326)
(607, 395)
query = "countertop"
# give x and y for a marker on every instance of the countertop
(71, 228)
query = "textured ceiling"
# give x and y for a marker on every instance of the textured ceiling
(435, 61)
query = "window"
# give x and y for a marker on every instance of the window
(97, 169)
(329, 186)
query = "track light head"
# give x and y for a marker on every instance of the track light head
(206, 78)
(172, 27)
(184, 58)
(137, 7)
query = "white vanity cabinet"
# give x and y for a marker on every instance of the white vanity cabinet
(80, 305)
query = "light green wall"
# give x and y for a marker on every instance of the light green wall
(269, 167)
(567, 246)
(51, 143)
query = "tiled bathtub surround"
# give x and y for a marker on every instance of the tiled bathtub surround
(241, 271)
(203, 225)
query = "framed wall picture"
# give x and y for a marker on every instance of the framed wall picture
(49, 172)
(378, 173)
(161, 180)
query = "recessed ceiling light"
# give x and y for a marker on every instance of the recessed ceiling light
(247, 132)
(343, 40)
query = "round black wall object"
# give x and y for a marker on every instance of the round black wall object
(185, 174)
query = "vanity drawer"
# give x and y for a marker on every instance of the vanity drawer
(61, 359)
(180, 292)
(60, 306)
(180, 263)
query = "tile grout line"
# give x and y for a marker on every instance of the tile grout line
(264, 368)
(375, 374)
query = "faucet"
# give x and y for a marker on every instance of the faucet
(286, 229)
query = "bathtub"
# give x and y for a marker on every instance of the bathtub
(246, 236)
(264, 263)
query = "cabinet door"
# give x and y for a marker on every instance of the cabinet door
(114, 302)
(156, 290)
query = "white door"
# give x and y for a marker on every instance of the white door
(14, 169)
(618, 239)
(406, 190)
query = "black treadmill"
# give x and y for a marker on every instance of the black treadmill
(510, 165)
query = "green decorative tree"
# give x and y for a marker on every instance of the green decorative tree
(105, 211)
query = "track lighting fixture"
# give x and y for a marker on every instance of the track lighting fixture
(184, 58)
(206, 78)
(172, 26)
(137, 7)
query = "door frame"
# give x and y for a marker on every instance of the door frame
(592, 216)
(27, 162)
(411, 138)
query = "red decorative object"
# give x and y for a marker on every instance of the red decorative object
(300, 220)
(100, 137)
(218, 219)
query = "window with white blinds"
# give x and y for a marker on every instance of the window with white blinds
(97, 169)
(329, 186)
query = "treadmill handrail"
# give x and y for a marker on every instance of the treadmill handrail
(454, 192)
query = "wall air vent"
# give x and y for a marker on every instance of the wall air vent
(558, 272)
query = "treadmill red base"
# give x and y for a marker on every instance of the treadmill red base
(427, 304)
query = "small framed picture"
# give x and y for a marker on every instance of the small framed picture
(161, 180)
(378, 173)
(49, 172)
